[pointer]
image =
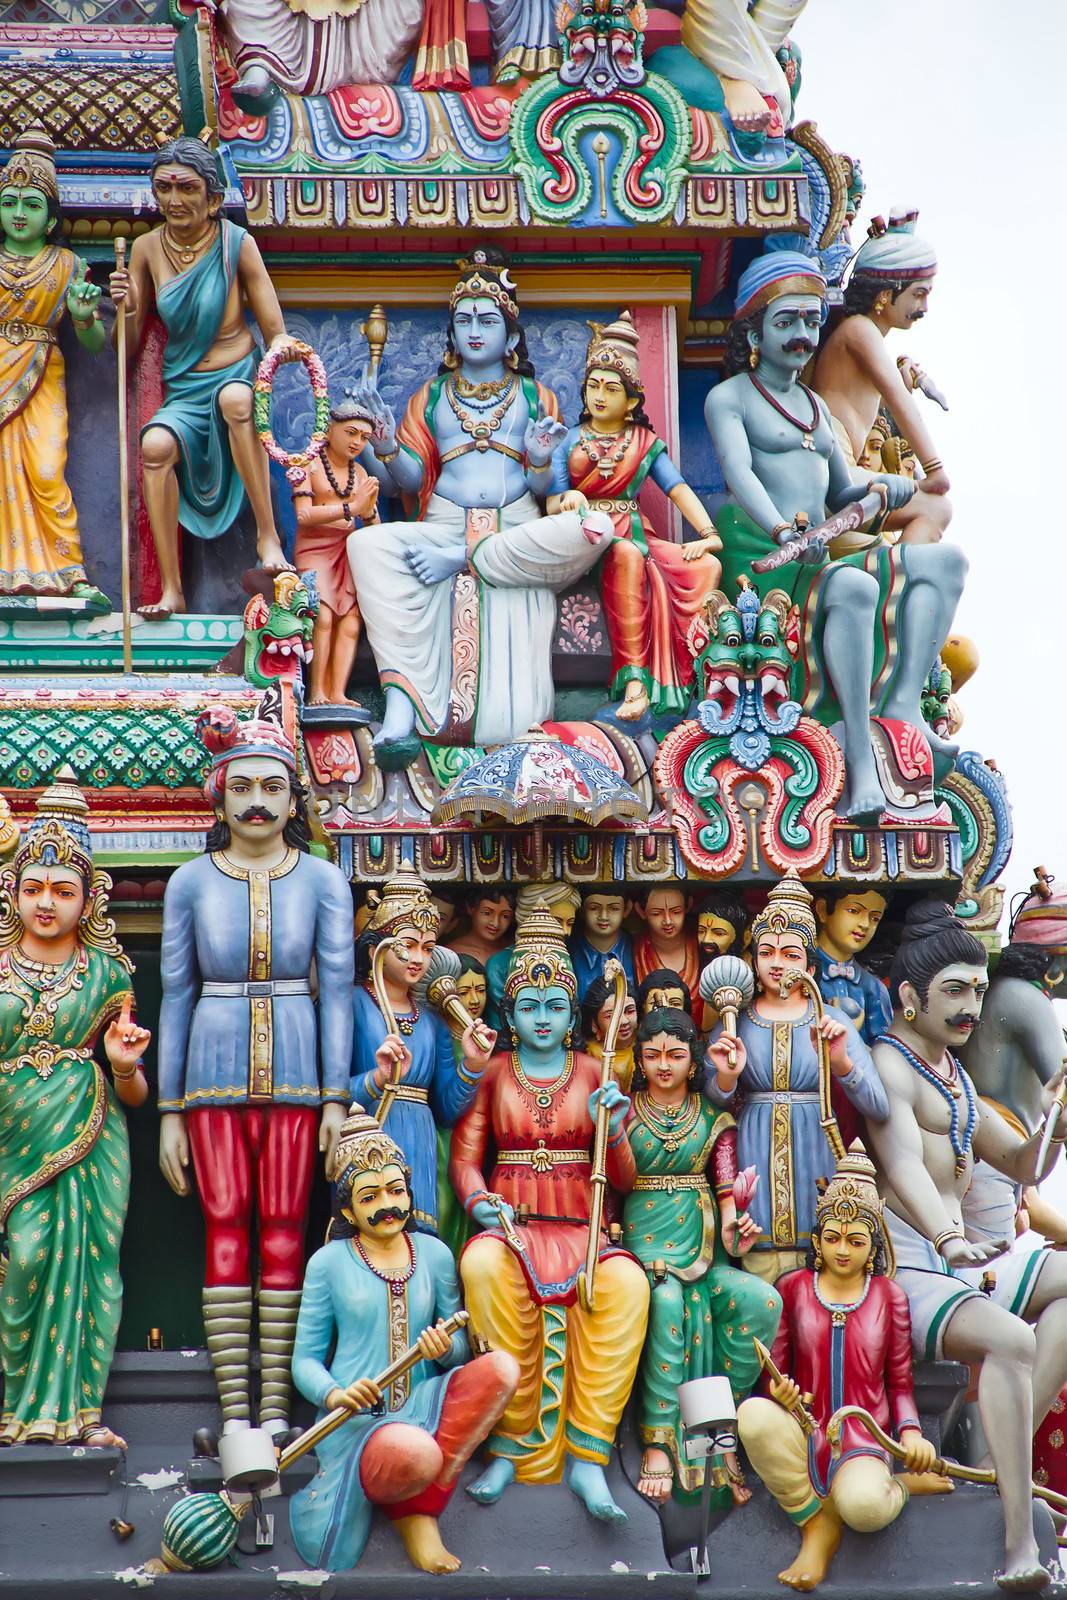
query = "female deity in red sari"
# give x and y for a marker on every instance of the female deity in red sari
(651, 588)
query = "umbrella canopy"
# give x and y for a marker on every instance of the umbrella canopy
(531, 780)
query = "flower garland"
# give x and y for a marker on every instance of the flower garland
(295, 462)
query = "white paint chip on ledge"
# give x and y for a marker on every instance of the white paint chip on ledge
(316, 1579)
(166, 1478)
(135, 1578)
(619, 1566)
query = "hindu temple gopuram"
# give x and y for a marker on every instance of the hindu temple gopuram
(518, 1073)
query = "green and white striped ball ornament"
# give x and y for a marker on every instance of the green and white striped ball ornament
(200, 1530)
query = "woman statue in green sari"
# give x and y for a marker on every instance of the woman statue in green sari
(680, 1220)
(64, 1154)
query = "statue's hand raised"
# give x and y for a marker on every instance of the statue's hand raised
(543, 434)
(383, 433)
(617, 1104)
(83, 296)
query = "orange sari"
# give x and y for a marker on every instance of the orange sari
(40, 549)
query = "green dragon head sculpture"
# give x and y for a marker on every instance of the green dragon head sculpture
(278, 635)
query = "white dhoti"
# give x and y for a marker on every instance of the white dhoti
(317, 47)
(474, 654)
(739, 41)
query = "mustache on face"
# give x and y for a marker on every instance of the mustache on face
(389, 1214)
(257, 814)
(799, 346)
(960, 1018)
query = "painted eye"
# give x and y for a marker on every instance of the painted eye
(732, 639)
(767, 638)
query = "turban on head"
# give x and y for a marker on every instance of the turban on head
(776, 273)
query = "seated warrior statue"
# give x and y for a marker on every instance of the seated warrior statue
(241, 1088)
(888, 288)
(848, 920)
(336, 497)
(40, 546)
(680, 1220)
(844, 1340)
(460, 607)
(600, 936)
(773, 1069)
(64, 1153)
(373, 1291)
(200, 453)
(652, 589)
(926, 1151)
(533, 1116)
(416, 1070)
(781, 459)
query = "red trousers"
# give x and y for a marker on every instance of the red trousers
(410, 1472)
(265, 1152)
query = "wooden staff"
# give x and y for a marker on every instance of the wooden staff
(948, 1469)
(124, 468)
(411, 1357)
(598, 1179)
(827, 1120)
(377, 979)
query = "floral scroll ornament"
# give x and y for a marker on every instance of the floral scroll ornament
(294, 462)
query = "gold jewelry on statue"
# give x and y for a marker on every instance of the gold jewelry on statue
(482, 279)
(935, 464)
(882, 301)
(482, 428)
(450, 360)
(183, 256)
(753, 359)
(909, 1013)
(488, 390)
(818, 1257)
(943, 1238)
(512, 360)
(542, 1092)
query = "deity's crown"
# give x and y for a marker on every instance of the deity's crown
(364, 1146)
(404, 902)
(58, 836)
(788, 910)
(614, 346)
(481, 278)
(894, 251)
(851, 1195)
(32, 164)
(540, 959)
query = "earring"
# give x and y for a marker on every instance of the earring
(909, 1013)
(450, 360)
(818, 1256)
(292, 811)
(881, 304)
(512, 359)
(869, 1268)
(753, 359)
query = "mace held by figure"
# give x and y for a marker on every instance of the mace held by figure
(241, 1089)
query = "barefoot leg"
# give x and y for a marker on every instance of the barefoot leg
(635, 702)
(657, 1475)
(159, 463)
(422, 1541)
(250, 459)
(345, 644)
(819, 1539)
(322, 647)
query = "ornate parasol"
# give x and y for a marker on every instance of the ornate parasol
(536, 778)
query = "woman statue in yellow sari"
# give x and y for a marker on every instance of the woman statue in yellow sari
(40, 548)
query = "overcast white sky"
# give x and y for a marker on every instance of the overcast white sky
(956, 106)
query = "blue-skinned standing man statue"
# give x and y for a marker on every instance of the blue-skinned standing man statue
(459, 607)
(781, 459)
(241, 1091)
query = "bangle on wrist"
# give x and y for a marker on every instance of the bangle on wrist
(943, 1238)
(781, 527)
(346, 510)
(935, 464)
(390, 455)
(130, 1072)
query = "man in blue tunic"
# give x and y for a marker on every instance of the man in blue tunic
(774, 1063)
(240, 1088)
(415, 1064)
(372, 1292)
(848, 920)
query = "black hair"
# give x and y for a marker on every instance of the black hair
(296, 833)
(340, 1227)
(933, 938)
(634, 391)
(596, 994)
(488, 891)
(862, 290)
(878, 1270)
(835, 893)
(506, 1036)
(193, 153)
(738, 348)
(616, 891)
(680, 1025)
(519, 360)
(1028, 961)
(471, 964)
(728, 907)
(642, 892)
(664, 978)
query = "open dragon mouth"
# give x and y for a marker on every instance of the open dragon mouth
(278, 656)
(724, 687)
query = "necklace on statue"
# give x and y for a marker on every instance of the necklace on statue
(481, 391)
(839, 1312)
(350, 483)
(405, 1023)
(41, 985)
(950, 1090)
(606, 450)
(542, 1093)
(182, 256)
(671, 1125)
(395, 1280)
(806, 428)
(481, 429)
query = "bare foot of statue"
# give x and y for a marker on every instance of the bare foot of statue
(864, 800)
(422, 1541)
(749, 112)
(488, 1488)
(1023, 1572)
(255, 83)
(735, 1477)
(657, 1475)
(101, 1437)
(819, 1539)
(926, 1482)
(171, 603)
(270, 555)
(586, 1479)
(635, 702)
